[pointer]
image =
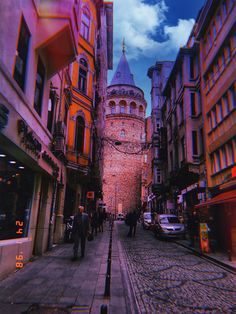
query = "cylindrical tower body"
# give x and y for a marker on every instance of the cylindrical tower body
(125, 126)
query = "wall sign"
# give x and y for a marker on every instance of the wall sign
(4, 112)
(29, 138)
(51, 163)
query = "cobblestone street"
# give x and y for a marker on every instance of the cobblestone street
(168, 278)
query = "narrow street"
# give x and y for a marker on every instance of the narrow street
(167, 278)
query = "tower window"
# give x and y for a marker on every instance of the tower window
(85, 24)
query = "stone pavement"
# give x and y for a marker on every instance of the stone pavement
(54, 284)
(217, 257)
(170, 279)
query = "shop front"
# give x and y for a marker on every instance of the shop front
(220, 215)
(31, 192)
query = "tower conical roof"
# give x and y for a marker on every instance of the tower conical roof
(123, 74)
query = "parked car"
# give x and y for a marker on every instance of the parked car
(168, 226)
(120, 216)
(147, 220)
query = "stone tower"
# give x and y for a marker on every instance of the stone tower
(123, 141)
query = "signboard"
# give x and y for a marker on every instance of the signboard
(204, 240)
(233, 171)
(90, 195)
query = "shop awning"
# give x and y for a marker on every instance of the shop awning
(225, 197)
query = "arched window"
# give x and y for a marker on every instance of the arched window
(85, 24)
(122, 133)
(122, 106)
(79, 137)
(83, 71)
(141, 111)
(112, 105)
(132, 108)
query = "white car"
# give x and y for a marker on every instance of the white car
(120, 216)
(169, 226)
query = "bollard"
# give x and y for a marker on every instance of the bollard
(103, 309)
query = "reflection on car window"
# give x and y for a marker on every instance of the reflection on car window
(169, 220)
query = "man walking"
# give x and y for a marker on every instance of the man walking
(80, 231)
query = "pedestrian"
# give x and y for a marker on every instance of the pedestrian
(94, 222)
(193, 228)
(132, 220)
(100, 220)
(80, 231)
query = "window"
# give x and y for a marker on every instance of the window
(122, 108)
(224, 9)
(194, 143)
(219, 20)
(191, 67)
(193, 104)
(51, 109)
(214, 31)
(85, 24)
(83, 70)
(158, 173)
(181, 112)
(122, 133)
(113, 109)
(21, 57)
(16, 196)
(171, 161)
(38, 94)
(220, 110)
(214, 117)
(183, 147)
(231, 153)
(232, 98)
(218, 161)
(225, 161)
(201, 142)
(199, 100)
(132, 108)
(210, 121)
(227, 53)
(79, 137)
(226, 104)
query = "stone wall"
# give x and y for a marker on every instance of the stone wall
(122, 170)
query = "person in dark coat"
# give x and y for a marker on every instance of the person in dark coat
(132, 219)
(80, 232)
(94, 222)
(193, 227)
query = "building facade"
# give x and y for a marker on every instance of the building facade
(198, 110)
(123, 140)
(86, 113)
(216, 35)
(32, 177)
(158, 75)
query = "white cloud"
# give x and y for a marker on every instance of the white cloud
(138, 23)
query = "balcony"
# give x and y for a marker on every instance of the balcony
(157, 188)
(57, 33)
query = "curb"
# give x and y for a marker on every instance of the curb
(213, 260)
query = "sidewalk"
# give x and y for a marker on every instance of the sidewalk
(216, 257)
(54, 284)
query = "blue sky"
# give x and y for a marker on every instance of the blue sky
(153, 31)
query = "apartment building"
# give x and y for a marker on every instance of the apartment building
(217, 41)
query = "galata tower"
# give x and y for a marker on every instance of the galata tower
(124, 139)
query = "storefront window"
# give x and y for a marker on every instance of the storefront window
(16, 190)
